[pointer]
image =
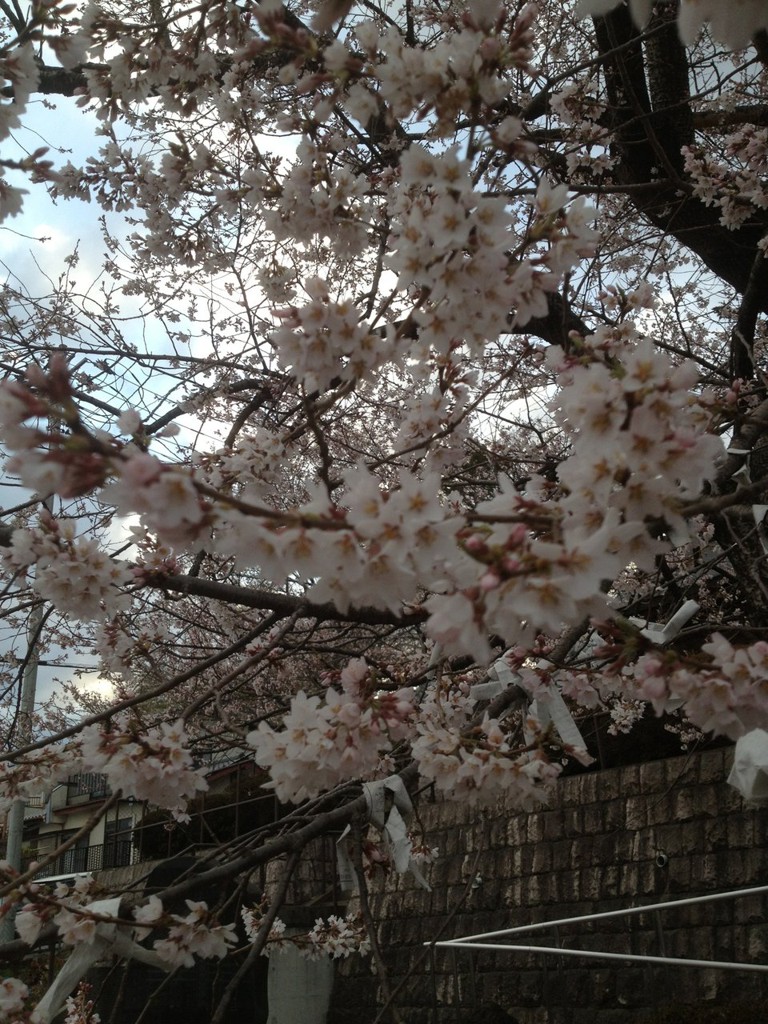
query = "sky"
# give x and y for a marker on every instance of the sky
(37, 240)
(33, 248)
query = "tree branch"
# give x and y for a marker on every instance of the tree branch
(283, 604)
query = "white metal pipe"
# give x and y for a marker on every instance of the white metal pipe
(602, 915)
(597, 955)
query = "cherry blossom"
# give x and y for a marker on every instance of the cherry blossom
(333, 936)
(153, 765)
(344, 734)
(193, 935)
(420, 387)
(12, 996)
(80, 1008)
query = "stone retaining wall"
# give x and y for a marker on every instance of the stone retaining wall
(633, 835)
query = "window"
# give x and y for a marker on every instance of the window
(117, 842)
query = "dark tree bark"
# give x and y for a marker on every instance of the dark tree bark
(651, 118)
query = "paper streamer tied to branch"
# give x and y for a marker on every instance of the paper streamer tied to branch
(549, 709)
(393, 826)
(110, 939)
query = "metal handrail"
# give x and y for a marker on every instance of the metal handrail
(473, 941)
(116, 854)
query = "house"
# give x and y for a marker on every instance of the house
(50, 822)
(132, 832)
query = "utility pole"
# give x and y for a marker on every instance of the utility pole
(24, 733)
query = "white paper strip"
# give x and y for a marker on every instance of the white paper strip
(393, 825)
(347, 877)
(749, 774)
(659, 634)
(110, 939)
(486, 691)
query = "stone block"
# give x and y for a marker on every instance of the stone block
(497, 836)
(751, 909)
(757, 944)
(662, 810)
(678, 875)
(573, 823)
(704, 871)
(513, 894)
(635, 813)
(614, 814)
(552, 825)
(629, 879)
(652, 777)
(741, 831)
(591, 884)
(683, 805)
(631, 987)
(714, 765)
(568, 888)
(570, 791)
(527, 855)
(602, 988)
(591, 789)
(753, 867)
(608, 784)
(543, 856)
(592, 819)
(535, 827)
(680, 771)
(517, 830)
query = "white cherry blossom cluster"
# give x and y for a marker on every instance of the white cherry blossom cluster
(727, 694)
(164, 496)
(450, 247)
(64, 909)
(459, 70)
(404, 537)
(639, 447)
(638, 430)
(196, 934)
(481, 765)
(48, 461)
(337, 937)
(18, 68)
(13, 994)
(325, 341)
(80, 1008)
(373, 547)
(74, 573)
(121, 646)
(477, 763)
(257, 464)
(152, 764)
(424, 414)
(737, 186)
(315, 202)
(588, 154)
(339, 736)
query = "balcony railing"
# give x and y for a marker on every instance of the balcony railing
(117, 854)
(92, 784)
